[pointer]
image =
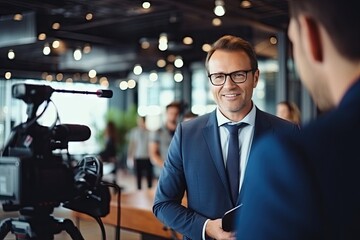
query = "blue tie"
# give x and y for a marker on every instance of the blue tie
(233, 160)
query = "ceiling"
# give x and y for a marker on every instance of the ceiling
(117, 29)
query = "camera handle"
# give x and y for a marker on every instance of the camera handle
(37, 225)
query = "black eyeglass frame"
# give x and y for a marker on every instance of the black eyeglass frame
(229, 74)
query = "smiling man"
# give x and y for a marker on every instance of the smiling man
(198, 159)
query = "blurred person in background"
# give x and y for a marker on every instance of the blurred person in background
(138, 153)
(289, 111)
(109, 152)
(159, 140)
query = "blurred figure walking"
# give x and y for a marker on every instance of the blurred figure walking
(138, 152)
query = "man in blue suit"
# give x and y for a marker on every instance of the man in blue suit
(307, 187)
(197, 156)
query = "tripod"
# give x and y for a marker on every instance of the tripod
(38, 224)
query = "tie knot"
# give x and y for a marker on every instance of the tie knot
(234, 128)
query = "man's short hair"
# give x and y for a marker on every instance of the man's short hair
(176, 104)
(339, 18)
(233, 43)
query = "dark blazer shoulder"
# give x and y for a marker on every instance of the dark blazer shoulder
(202, 120)
(265, 121)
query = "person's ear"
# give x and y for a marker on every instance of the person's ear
(312, 38)
(256, 78)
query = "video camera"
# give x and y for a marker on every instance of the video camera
(35, 173)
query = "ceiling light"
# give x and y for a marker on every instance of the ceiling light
(92, 73)
(49, 77)
(219, 9)
(93, 80)
(87, 48)
(11, 54)
(42, 36)
(171, 58)
(56, 44)
(18, 17)
(89, 16)
(43, 75)
(206, 47)
(163, 42)
(59, 76)
(273, 40)
(153, 76)
(187, 40)
(216, 22)
(69, 80)
(161, 63)
(145, 44)
(123, 85)
(146, 5)
(56, 26)
(178, 62)
(104, 82)
(46, 49)
(8, 75)
(163, 47)
(246, 4)
(178, 77)
(131, 84)
(77, 54)
(137, 69)
(163, 38)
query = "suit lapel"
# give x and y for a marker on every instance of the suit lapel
(212, 139)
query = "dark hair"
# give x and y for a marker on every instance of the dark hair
(111, 130)
(142, 118)
(233, 43)
(340, 19)
(176, 104)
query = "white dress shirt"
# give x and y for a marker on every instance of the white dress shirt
(245, 141)
(245, 138)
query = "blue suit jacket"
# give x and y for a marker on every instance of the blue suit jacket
(307, 187)
(195, 164)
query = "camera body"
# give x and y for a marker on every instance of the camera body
(25, 182)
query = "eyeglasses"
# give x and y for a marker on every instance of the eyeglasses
(218, 79)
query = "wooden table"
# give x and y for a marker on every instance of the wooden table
(136, 215)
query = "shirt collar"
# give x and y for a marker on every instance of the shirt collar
(249, 118)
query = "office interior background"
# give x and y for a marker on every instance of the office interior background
(149, 53)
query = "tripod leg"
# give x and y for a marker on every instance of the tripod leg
(5, 227)
(72, 230)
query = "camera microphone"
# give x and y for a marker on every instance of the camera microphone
(100, 93)
(33, 93)
(71, 132)
(104, 93)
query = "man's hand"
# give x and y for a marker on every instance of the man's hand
(214, 230)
